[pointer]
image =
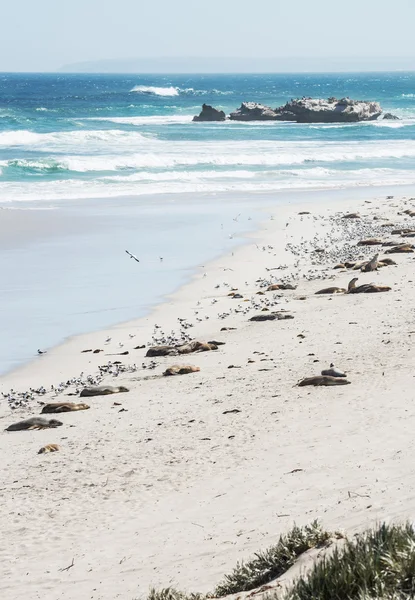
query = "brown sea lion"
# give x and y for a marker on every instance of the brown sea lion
(280, 286)
(386, 262)
(402, 248)
(195, 346)
(49, 448)
(181, 370)
(162, 351)
(370, 242)
(366, 288)
(34, 423)
(102, 390)
(274, 316)
(332, 290)
(60, 407)
(319, 380)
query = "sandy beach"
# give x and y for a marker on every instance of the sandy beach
(175, 481)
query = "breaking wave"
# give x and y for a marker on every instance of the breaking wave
(156, 91)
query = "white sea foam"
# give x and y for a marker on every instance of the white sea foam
(151, 120)
(156, 91)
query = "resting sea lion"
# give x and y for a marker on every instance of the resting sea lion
(34, 423)
(332, 290)
(181, 370)
(102, 390)
(351, 216)
(333, 372)
(370, 242)
(319, 380)
(280, 286)
(49, 448)
(195, 346)
(274, 316)
(366, 288)
(402, 248)
(60, 407)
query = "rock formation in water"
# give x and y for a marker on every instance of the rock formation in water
(210, 114)
(309, 110)
(391, 117)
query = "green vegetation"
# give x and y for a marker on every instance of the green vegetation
(376, 564)
(274, 561)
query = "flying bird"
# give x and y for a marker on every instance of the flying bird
(132, 256)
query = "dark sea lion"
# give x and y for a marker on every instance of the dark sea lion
(280, 286)
(370, 242)
(102, 390)
(60, 407)
(372, 265)
(181, 370)
(162, 351)
(323, 380)
(34, 423)
(195, 346)
(366, 288)
(274, 316)
(49, 448)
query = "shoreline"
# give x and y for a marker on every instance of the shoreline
(174, 482)
(95, 337)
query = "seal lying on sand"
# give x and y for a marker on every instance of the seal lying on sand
(34, 423)
(370, 242)
(281, 286)
(60, 407)
(332, 290)
(181, 370)
(193, 346)
(333, 372)
(318, 380)
(366, 288)
(49, 448)
(102, 390)
(274, 316)
(400, 249)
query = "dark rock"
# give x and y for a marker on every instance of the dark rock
(391, 117)
(252, 111)
(210, 114)
(309, 110)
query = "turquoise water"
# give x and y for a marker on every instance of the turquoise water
(91, 136)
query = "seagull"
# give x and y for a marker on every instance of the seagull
(107, 341)
(41, 351)
(132, 256)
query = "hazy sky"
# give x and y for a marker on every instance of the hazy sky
(43, 35)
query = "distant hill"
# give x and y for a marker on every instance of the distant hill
(240, 65)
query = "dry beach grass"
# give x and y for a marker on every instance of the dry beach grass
(175, 481)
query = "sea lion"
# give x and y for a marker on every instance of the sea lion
(34, 423)
(331, 290)
(366, 288)
(386, 262)
(195, 346)
(333, 372)
(274, 316)
(402, 248)
(49, 448)
(181, 370)
(351, 216)
(102, 390)
(370, 242)
(280, 286)
(162, 351)
(60, 407)
(319, 380)
(372, 265)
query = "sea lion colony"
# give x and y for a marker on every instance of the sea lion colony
(182, 343)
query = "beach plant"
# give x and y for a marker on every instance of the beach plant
(172, 594)
(379, 563)
(274, 561)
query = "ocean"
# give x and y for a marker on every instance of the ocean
(93, 165)
(65, 137)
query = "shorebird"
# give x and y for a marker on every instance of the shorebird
(132, 256)
(41, 351)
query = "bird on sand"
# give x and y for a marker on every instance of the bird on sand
(132, 256)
